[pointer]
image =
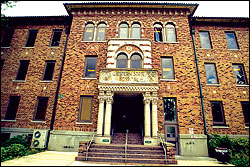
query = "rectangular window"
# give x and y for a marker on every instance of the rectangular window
(41, 108)
(167, 68)
(205, 40)
(49, 69)
(231, 40)
(217, 112)
(7, 37)
(12, 108)
(211, 73)
(90, 67)
(85, 111)
(245, 108)
(239, 74)
(31, 38)
(56, 38)
(23, 68)
(169, 105)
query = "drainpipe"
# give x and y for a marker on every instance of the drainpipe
(198, 72)
(67, 31)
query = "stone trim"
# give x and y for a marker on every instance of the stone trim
(130, 88)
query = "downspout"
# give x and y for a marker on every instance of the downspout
(198, 72)
(67, 31)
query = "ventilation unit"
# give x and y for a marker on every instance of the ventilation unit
(39, 138)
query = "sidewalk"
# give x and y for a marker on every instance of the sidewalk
(54, 158)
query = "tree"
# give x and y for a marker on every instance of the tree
(5, 5)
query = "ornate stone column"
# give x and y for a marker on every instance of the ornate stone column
(107, 126)
(147, 114)
(100, 115)
(154, 117)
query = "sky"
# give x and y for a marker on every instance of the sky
(205, 8)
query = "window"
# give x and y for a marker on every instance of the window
(56, 38)
(231, 40)
(122, 61)
(12, 108)
(211, 73)
(8, 34)
(31, 38)
(123, 30)
(205, 40)
(217, 112)
(23, 68)
(101, 29)
(158, 32)
(245, 108)
(90, 67)
(49, 69)
(41, 108)
(169, 105)
(239, 74)
(170, 33)
(85, 111)
(89, 32)
(136, 61)
(136, 31)
(167, 68)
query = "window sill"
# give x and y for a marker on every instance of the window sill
(82, 123)
(206, 48)
(38, 121)
(88, 78)
(18, 80)
(213, 84)
(93, 41)
(167, 42)
(6, 120)
(234, 49)
(169, 80)
(7, 47)
(46, 81)
(247, 127)
(54, 46)
(242, 85)
(28, 47)
(221, 127)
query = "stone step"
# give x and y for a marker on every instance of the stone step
(130, 147)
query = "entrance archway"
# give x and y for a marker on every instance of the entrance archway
(127, 113)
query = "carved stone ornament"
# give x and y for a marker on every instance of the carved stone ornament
(109, 99)
(101, 99)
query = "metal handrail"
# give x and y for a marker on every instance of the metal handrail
(89, 144)
(126, 146)
(164, 146)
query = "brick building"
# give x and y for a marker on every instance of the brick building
(126, 66)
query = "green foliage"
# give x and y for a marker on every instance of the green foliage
(12, 151)
(238, 148)
(20, 139)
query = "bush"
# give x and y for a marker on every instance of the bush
(20, 139)
(12, 151)
(238, 148)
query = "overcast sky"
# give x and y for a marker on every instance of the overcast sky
(205, 8)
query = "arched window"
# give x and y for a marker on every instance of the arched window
(136, 31)
(123, 30)
(89, 32)
(158, 32)
(101, 29)
(136, 61)
(122, 60)
(170, 33)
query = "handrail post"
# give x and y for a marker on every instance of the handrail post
(88, 145)
(164, 146)
(126, 145)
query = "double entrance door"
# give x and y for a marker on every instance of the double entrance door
(127, 113)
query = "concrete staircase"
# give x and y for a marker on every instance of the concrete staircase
(136, 153)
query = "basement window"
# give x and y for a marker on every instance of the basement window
(12, 108)
(23, 68)
(41, 108)
(31, 38)
(49, 70)
(56, 38)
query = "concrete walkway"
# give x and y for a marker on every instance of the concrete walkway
(54, 158)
